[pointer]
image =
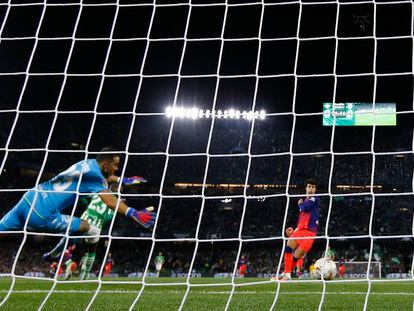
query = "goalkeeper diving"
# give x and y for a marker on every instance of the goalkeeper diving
(45, 202)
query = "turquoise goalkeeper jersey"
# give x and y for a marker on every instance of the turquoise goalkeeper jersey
(61, 190)
(97, 214)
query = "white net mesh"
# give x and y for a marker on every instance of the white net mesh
(79, 76)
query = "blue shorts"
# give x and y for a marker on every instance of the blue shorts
(52, 222)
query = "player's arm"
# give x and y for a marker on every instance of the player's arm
(111, 201)
(307, 205)
(83, 202)
(145, 217)
(134, 180)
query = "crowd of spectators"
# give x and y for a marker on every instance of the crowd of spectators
(211, 258)
(349, 215)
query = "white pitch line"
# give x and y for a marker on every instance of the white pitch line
(200, 292)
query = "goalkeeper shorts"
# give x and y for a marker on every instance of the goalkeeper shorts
(304, 244)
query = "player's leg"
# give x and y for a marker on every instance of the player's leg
(295, 250)
(288, 258)
(89, 257)
(73, 268)
(59, 224)
(303, 245)
(87, 263)
(106, 269)
(39, 218)
(15, 219)
(288, 255)
(298, 254)
(10, 222)
(341, 271)
(158, 268)
(242, 270)
(299, 265)
(68, 270)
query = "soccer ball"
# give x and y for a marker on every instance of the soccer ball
(328, 266)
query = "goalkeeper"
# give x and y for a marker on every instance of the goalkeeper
(48, 199)
(307, 227)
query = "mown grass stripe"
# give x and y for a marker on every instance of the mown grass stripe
(202, 292)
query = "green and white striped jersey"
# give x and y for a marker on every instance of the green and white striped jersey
(97, 213)
(159, 260)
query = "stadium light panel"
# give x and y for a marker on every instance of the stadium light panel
(169, 112)
(262, 114)
(195, 113)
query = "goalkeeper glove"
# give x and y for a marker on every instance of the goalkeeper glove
(132, 180)
(145, 217)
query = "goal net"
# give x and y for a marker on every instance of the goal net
(358, 269)
(225, 108)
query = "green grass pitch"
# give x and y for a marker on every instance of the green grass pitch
(28, 295)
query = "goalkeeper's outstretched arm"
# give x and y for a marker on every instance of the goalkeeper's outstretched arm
(145, 217)
(127, 181)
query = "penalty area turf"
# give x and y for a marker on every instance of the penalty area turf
(29, 294)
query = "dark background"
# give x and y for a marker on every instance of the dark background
(75, 79)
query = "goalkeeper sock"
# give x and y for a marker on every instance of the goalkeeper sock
(59, 248)
(288, 259)
(54, 253)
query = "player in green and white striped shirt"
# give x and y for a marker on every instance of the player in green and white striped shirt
(159, 261)
(98, 215)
